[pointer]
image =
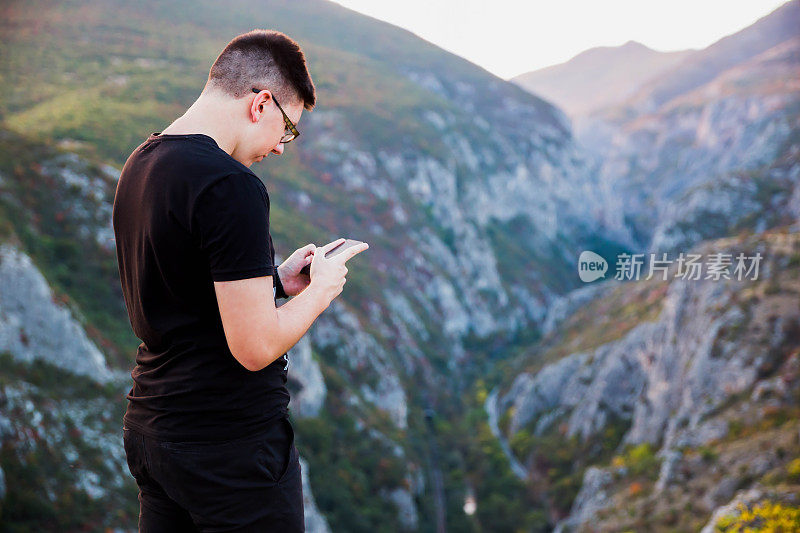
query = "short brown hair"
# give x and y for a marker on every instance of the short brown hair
(263, 59)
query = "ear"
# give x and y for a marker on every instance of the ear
(258, 104)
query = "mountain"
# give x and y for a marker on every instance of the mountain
(463, 184)
(701, 156)
(663, 404)
(701, 67)
(598, 77)
(476, 198)
(680, 394)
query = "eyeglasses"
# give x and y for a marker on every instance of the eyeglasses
(291, 132)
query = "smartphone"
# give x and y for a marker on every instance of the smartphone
(339, 249)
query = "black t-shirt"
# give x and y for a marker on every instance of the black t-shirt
(187, 214)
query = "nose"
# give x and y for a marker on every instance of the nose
(278, 149)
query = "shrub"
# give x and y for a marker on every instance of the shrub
(764, 516)
(708, 454)
(641, 460)
(793, 470)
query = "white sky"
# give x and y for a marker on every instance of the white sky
(510, 37)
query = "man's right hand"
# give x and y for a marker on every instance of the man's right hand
(328, 275)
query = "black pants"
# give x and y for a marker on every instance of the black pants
(248, 484)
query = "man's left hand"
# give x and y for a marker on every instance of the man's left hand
(294, 282)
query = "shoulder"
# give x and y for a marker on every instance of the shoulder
(235, 191)
(199, 158)
(235, 182)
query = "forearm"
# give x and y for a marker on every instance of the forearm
(294, 318)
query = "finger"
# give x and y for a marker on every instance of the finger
(332, 245)
(353, 250)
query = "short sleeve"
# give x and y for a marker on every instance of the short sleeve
(230, 222)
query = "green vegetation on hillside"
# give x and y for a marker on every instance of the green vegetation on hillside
(45, 215)
(349, 470)
(43, 481)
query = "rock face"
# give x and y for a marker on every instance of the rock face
(663, 376)
(407, 517)
(468, 186)
(491, 409)
(563, 306)
(33, 325)
(88, 202)
(341, 332)
(668, 379)
(436, 291)
(315, 522)
(591, 498)
(303, 369)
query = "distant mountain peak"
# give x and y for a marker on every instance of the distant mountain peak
(635, 44)
(598, 77)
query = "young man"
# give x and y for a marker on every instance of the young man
(206, 432)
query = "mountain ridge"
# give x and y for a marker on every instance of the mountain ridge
(614, 73)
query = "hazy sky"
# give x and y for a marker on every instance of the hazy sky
(510, 37)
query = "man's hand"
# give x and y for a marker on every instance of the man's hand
(294, 282)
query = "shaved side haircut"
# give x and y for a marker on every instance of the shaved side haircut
(263, 59)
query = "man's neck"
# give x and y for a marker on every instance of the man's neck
(199, 119)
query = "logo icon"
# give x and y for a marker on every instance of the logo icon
(591, 266)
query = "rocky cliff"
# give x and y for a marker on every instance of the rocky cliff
(703, 371)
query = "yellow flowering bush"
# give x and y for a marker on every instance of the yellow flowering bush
(766, 516)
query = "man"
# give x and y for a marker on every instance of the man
(206, 432)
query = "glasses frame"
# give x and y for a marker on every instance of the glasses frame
(289, 124)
